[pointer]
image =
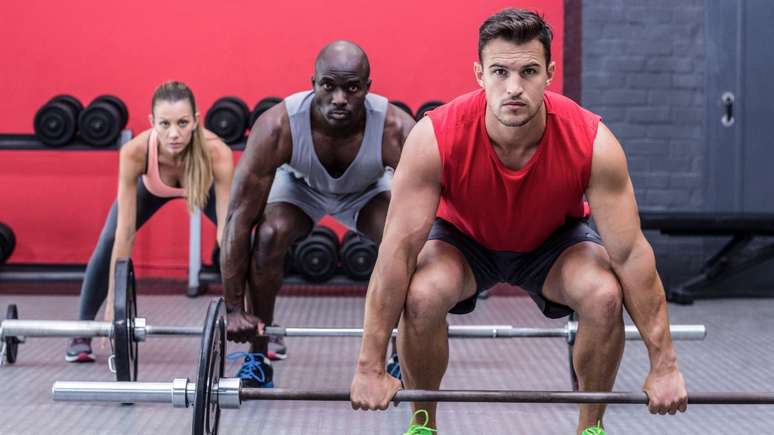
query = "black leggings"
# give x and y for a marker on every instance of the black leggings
(96, 279)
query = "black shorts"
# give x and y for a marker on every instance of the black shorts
(527, 270)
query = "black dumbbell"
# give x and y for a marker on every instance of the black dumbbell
(228, 119)
(401, 105)
(103, 119)
(261, 106)
(426, 107)
(316, 256)
(7, 242)
(358, 256)
(56, 122)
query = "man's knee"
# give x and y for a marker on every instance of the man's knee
(602, 300)
(271, 243)
(427, 302)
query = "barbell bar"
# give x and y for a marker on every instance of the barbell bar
(229, 394)
(141, 330)
(212, 391)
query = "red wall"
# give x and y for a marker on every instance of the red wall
(56, 200)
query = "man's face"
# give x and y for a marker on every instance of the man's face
(340, 92)
(514, 77)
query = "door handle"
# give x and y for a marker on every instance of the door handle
(728, 109)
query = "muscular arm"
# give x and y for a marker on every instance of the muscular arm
(611, 197)
(415, 194)
(223, 172)
(396, 129)
(268, 147)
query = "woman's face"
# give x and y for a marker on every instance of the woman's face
(175, 123)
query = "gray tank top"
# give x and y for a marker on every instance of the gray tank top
(365, 169)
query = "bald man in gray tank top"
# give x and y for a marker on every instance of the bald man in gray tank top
(330, 150)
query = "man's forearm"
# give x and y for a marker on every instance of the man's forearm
(235, 262)
(645, 301)
(384, 303)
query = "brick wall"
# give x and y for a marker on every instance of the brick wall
(643, 72)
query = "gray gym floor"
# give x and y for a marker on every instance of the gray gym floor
(737, 355)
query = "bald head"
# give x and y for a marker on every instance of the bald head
(340, 85)
(343, 56)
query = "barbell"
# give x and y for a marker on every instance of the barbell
(127, 330)
(212, 391)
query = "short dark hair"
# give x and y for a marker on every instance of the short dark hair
(518, 26)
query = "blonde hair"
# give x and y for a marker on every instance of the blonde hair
(198, 166)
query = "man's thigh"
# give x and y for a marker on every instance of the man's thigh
(578, 271)
(441, 279)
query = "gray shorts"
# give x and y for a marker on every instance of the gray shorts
(290, 188)
(527, 270)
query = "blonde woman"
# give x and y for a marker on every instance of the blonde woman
(175, 158)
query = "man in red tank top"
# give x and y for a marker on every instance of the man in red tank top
(491, 189)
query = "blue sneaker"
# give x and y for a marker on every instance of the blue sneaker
(393, 365)
(256, 371)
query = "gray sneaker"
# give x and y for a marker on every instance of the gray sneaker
(79, 351)
(277, 349)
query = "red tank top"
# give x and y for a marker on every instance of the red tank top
(504, 209)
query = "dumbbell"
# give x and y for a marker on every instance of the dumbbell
(7, 242)
(316, 256)
(56, 122)
(261, 106)
(228, 118)
(426, 107)
(401, 105)
(102, 121)
(358, 256)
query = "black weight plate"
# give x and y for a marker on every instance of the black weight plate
(206, 415)
(328, 233)
(227, 118)
(358, 256)
(119, 104)
(403, 106)
(349, 235)
(55, 123)
(99, 124)
(72, 101)
(261, 106)
(11, 343)
(7, 242)
(244, 111)
(426, 107)
(316, 257)
(124, 343)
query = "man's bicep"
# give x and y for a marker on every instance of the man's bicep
(416, 187)
(611, 196)
(266, 150)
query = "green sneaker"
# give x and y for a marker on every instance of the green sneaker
(594, 430)
(420, 429)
